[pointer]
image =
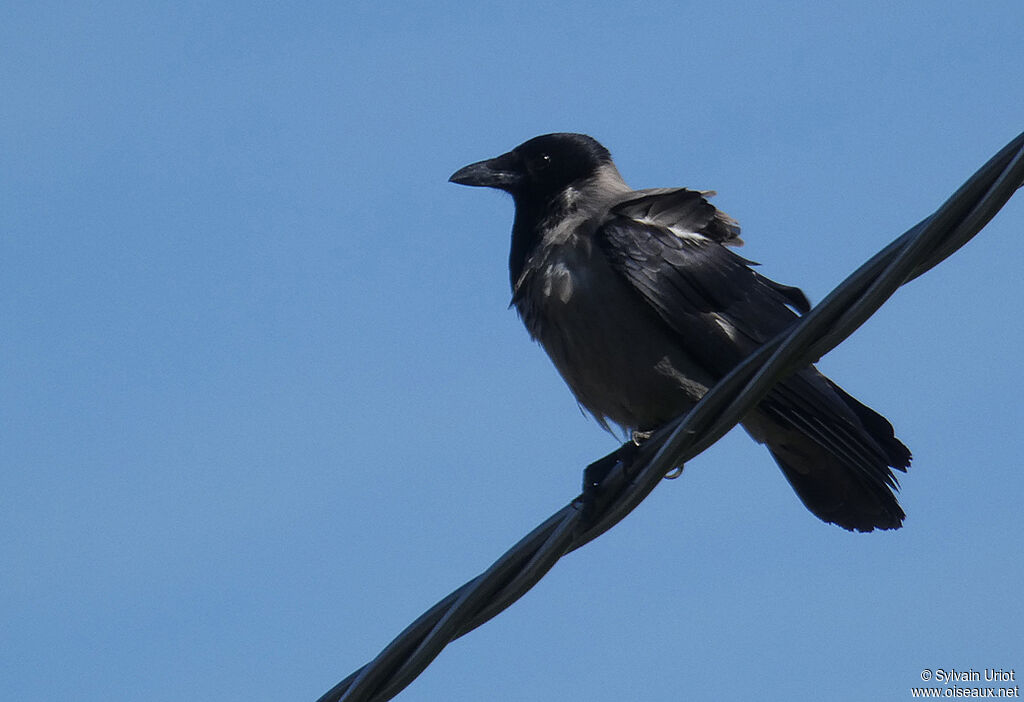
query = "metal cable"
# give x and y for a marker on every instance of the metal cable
(630, 473)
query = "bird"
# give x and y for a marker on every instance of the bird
(641, 303)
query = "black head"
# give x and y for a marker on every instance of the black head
(537, 174)
(538, 169)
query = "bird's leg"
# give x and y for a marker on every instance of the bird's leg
(595, 476)
(639, 437)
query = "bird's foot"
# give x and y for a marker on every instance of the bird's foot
(597, 489)
(638, 437)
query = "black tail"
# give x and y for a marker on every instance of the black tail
(836, 453)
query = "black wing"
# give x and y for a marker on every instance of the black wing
(686, 209)
(721, 310)
(668, 247)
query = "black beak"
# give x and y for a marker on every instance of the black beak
(497, 172)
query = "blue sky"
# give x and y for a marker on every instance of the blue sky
(262, 401)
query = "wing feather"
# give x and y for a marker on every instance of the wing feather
(670, 246)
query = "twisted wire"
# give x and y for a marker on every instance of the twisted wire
(631, 472)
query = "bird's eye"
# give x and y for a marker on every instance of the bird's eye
(544, 162)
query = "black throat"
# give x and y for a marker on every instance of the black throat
(532, 220)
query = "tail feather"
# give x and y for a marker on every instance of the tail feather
(833, 492)
(879, 428)
(836, 453)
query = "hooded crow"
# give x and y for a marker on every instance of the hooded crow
(642, 307)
